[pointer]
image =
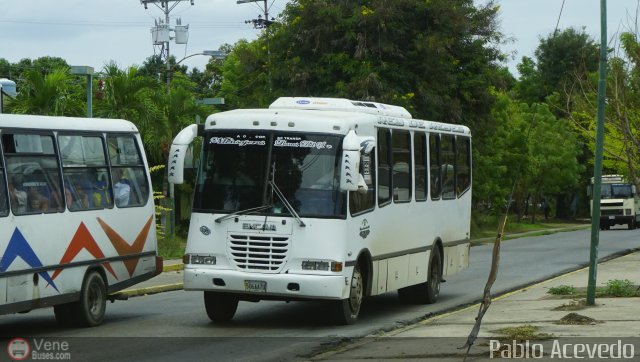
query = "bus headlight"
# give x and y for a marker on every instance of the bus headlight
(324, 265)
(202, 259)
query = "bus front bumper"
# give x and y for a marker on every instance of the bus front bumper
(266, 286)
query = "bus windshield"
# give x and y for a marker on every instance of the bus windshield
(616, 191)
(237, 167)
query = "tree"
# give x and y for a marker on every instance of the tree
(53, 94)
(529, 147)
(437, 58)
(622, 118)
(562, 59)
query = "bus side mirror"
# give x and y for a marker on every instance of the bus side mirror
(349, 170)
(352, 147)
(178, 152)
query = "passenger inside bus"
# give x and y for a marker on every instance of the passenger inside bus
(37, 202)
(18, 197)
(121, 188)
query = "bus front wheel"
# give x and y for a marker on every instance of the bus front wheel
(220, 307)
(349, 309)
(89, 311)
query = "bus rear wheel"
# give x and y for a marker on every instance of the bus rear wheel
(427, 292)
(219, 306)
(348, 309)
(89, 311)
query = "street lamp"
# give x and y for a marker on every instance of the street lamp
(7, 87)
(215, 54)
(88, 71)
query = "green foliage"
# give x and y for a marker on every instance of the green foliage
(52, 94)
(563, 290)
(171, 247)
(618, 288)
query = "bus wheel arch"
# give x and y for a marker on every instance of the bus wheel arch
(428, 291)
(365, 261)
(348, 310)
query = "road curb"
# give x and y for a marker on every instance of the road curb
(173, 267)
(152, 290)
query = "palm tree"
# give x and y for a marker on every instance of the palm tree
(53, 94)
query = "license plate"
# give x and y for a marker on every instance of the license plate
(611, 217)
(255, 286)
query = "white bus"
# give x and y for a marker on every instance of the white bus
(76, 215)
(325, 199)
(619, 202)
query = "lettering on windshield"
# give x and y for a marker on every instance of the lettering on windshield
(239, 141)
(296, 142)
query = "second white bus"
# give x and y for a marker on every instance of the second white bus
(325, 199)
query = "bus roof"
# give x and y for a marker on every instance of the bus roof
(332, 115)
(22, 121)
(339, 104)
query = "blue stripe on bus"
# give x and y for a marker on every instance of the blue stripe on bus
(19, 247)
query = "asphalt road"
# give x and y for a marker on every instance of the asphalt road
(174, 326)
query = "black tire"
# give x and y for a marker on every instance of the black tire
(89, 311)
(632, 224)
(432, 291)
(220, 307)
(348, 310)
(63, 314)
(427, 292)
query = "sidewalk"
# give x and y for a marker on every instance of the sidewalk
(616, 321)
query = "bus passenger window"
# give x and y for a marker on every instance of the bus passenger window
(401, 141)
(85, 172)
(463, 164)
(434, 162)
(130, 184)
(4, 199)
(33, 173)
(384, 168)
(420, 165)
(448, 158)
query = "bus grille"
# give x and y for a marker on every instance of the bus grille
(606, 212)
(260, 253)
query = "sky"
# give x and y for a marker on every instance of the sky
(94, 32)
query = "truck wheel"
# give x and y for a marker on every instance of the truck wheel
(89, 311)
(347, 310)
(219, 306)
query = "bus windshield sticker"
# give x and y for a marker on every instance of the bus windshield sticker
(297, 142)
(239, 141)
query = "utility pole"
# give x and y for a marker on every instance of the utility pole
(597, 169)
(161, 31)
(260, 22)
(161, 35)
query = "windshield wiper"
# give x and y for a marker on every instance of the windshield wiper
(240, 212)
(286, 203)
